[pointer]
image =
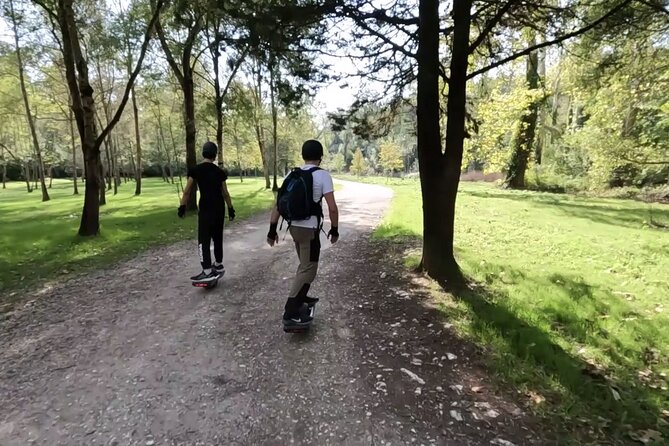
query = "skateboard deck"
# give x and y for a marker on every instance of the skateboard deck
(302, 328)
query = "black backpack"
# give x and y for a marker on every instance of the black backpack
(295, 200)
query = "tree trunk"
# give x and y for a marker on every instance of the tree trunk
(106, 170)
(74, 155)
(524, 140)
(189, 121)
(114, 159)
(103, 190)
(218, 96)
(138, 146)
(26, 103)
(26, 174)
(239, 156)
(258, 126)
(275, 145)
(541, 112)
(440, 173)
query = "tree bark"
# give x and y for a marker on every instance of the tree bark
(185, 77)
(275, 147)
(440, 172)
(525, 134)
(26, 174)
(138, 146)
(74, 155)
(26, 104)
(258, 126)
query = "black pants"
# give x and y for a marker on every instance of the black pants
(210, 228)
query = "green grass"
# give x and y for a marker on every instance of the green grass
(38, 240)
(567, 285)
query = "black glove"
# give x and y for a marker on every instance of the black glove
(272, 234)
(334, 232)
(231, 213)
(181, 212)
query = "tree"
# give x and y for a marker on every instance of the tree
(26, 102)
(188, 17)
(390, 157)
(359, 166)
(403, 41)
(63, 17)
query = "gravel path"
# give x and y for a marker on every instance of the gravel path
(134, 355)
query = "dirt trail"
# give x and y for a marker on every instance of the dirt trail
(134, 355)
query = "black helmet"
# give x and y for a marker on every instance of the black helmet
(209, 150)
(312, 150)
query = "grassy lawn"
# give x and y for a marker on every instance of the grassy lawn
(38, 240)
(573, 302)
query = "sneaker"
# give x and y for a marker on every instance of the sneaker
(219, 268)
(311, 301)
(301, 318)
(204, 277)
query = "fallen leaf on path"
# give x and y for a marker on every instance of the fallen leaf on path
(413, 376)
(477, 389)
(456, 415)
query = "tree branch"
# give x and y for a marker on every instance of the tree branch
(555, 41)
(46, 9)
(131, 82)
(491, 25)
(168, 53)
(234, 71)
(645, 163)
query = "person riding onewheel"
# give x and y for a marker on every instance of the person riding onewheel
(210, 180)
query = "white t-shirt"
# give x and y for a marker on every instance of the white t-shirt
(322, 185)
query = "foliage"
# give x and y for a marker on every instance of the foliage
(390, 157)
(359, 165)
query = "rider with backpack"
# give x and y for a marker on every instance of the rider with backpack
(299, 203)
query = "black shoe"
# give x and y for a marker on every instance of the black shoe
(311, 301)
(298, 318)
(205, 277)
(220, 269)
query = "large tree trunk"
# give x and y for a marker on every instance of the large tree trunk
(218, 96)
(138, 146)
(260, 136)
(189, 118)
(74, 155)
(275, 144)
(440, 173)
(524, 139)
(26, 103)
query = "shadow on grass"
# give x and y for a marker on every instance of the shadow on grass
(530, 354)
(591, 209)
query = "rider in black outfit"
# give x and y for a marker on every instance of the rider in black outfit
(210, 179)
